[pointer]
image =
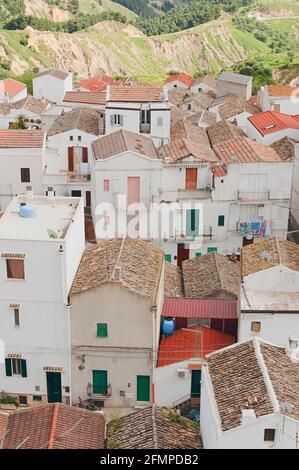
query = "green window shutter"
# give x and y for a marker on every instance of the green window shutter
(192, 222)
(197, 254)
(220, 220)
(102, 330)
(212, 249)
(8, 368)
(143, 388)
(99, 382)
(23, 368)
(168, 258)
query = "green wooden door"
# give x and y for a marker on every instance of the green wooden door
(54, 387)
(99, 382)
(195, 383)
(192, 222)
(143, 388)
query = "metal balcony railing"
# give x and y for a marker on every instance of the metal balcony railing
(74, 176)
(102, 395)
(254, 195)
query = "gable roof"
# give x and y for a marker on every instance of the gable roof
(237, 369)
(57, 73)
(34, 105)
(269, 122)
(123, 141)
(182, 148)
(268, 253)
(207, 275)
(97, 83)
(153, 428)
(22, 138)
(11, 87)
(233, 77)
(208, 80)
(223, 130)
(173, 281)
(245, 150)
(184, 129)
(85, 97)
(84, 119)
(192, 342)
(140, 263)
(285, 148)
(235, 105)
(135, 94)
(181, 77)
(177, 96)
(282, 90)
(52, 426)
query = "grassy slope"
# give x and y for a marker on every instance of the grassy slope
(271, 7)
(92, 6)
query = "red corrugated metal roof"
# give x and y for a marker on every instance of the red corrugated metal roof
(269, 122)
(192, 342)
(200, 308)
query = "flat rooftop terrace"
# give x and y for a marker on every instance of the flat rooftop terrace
(51, 222)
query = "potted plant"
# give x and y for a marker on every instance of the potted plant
(8, 402)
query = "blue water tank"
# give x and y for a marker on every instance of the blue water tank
(27, 211)
(168, 326)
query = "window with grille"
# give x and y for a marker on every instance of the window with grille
(269, 435)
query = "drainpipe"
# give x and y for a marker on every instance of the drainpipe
(154, 317)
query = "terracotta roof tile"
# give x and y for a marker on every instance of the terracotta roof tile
(244, 150)
(181, 77)
(181, 148)
(235, 105)
(75, 428)
(138, 94)
(28, 104)
(83, 119)
(177, 96)
(173, 281)
(85, 97)
(268, 253)
(211, 276)
(11, 87)
(97, 83)
(123, 141)
(184, 129)
(282, 90)
(223, 130)
(269, 122)
(207, 80)
(20, 138)
(140, 263)
(285, 148)
(153, 428)
(192, 342)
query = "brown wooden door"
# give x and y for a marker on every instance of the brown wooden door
(182, 254)
(71, 158)
(191, 178)
(133, 189)
(88, 198)
(84, 155)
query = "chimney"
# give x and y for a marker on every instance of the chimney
(248, 417)
(29, 192)
(293, 350)
(51, 194)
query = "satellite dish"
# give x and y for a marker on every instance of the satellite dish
(266, 256)
(287, 407)
(51, 233)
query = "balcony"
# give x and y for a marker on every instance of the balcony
(106, 395)
(145, 128)
(253, 196)
(76, 177)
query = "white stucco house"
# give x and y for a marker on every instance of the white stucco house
(206, 84)
(270, 126)
(68, 153)
(295, 192)
(235, 83)
(116, 301)
(22, 161)
(179, 80)
(84, 99)
(279, 98)
(30, 109)
(269, 294)
(249, 397)
(52, 84)
(138, 109)
(11, 91)
(41, 243)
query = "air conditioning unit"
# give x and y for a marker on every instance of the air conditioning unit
(182, 373)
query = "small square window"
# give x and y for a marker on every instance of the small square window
(102, 330)
(212, 249)
(15, 269)
(79, 138)
(197, 254)
(256, 326)
(23, 399)
(71, 138)
(221, 219)
(269, 435)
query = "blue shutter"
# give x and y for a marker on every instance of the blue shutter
(192, 222)
(8, 368)
(23, 368)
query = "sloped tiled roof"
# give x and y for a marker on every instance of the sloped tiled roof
(223, 130)
(177, 96)
(233, 77)
(181, 148)
(208, 275)
(270, 122)
(201, 99)
(11, 87)
(235, 105)
(52, 426)
(84, 119)
(184, 129)
(57, 73)
(97, 83)
(192, 342)
(140, 263)
(21, 138)
(123, 141)
(237, 369)
(207, 80)
(137, 94)
(268, 253)
(30, 103)
(173, 281)
(153, 428)
(244, 150)
(282, 90)
(285, 148)
(85, 97)
(181, 77)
